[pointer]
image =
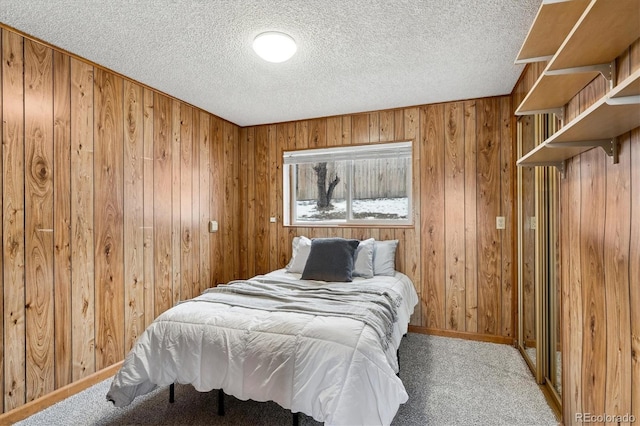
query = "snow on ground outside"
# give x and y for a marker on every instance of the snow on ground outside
(378, 208)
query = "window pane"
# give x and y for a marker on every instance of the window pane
(316, 181)
(380, 189)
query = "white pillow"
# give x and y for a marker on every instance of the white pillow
(384, 257)
(363, 261)
(300, 248)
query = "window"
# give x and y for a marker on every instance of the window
(367, 184)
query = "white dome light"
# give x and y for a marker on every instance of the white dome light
(274, 46)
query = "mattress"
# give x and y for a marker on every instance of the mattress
(335, 369)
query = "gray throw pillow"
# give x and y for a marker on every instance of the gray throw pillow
(330, 259)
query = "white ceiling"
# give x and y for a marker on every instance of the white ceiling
(353, 56)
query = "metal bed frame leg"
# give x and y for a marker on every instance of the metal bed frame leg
(296, 419)
(172, 393)
(220, 402)
(398, 355)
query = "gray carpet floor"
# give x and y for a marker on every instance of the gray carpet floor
(449, 382)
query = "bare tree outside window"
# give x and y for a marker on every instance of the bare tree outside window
(324, 194)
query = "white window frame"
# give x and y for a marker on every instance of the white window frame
(349, 154)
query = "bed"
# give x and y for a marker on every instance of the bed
(323, 347)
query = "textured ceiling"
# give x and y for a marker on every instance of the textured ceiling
(353, 56)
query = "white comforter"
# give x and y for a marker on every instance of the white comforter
(331, 368)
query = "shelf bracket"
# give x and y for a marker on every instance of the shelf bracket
(559, 112)
(607, 70)
(560, 165)
(609, 146)
(530, 60)
(624, 100)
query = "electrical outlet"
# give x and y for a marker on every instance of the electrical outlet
(500, 222)
(213, 226)
(272, 219)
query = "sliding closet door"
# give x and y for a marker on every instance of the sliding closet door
(539, 258)
(528, 306)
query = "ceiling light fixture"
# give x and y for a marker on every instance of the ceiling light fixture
(273, 46)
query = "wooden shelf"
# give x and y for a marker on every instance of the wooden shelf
(544, 155)
(616, 113)
(604, 30)
(611, 116)
(550, 27)
(552, 92)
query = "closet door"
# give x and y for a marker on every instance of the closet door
(539, 301)
(528, 335)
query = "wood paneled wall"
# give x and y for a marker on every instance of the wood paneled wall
(600, 266)
(464, 170)
(107, 189)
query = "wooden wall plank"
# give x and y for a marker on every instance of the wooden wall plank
(359, 129)
(2, 352)
(162, 211)
(195, 200)
(108, 210)
(62, 218)
(280, 146)
(261, 203)
(634, 270)
(616, 282)
(231, 184)
(593, 293)
(317, 133)
(216, 207)
(374, 127)
(634, 56)
(387, 126)
(186, 201)
(176, 202)
(433, 215)
(244, 195)
(133, 202)
(572, 402)
(454, 230)
(302, 135)
(147, 198)
(82, 221)
(592, 92)
(470, 217)
(564, 277)
(488, 207)
(507, 209)
(205, 201)
(274, 171)
(13, 192)
(247, 159)
(38, 127)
